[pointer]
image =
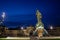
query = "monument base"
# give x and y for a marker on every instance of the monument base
(40, 32)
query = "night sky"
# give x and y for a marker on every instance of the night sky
(23, 12)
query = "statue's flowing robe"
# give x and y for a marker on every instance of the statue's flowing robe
(39, 25)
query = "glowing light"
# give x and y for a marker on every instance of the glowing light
(51, 27)
(22, 28)
(3, 15)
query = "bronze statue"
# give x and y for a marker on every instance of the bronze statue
(39, 25)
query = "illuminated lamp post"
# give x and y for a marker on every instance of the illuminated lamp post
(22, 28)
(51, 27)
(3, 16)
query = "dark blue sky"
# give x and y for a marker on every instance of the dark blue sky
(22, 12)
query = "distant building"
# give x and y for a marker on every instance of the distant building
(15, 32)
(54, 32)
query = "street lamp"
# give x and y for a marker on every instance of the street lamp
(22, 28)
(51, 27)
(3, 16)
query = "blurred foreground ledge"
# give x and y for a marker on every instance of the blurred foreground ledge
(28, 38)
